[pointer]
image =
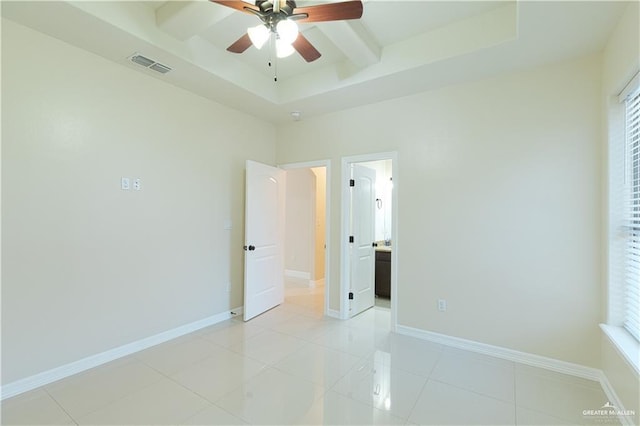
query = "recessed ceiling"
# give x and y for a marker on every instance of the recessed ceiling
(408, 19)
(231, 28)
(397, 48)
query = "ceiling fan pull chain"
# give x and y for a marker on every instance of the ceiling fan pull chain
(270, 47)
(272, 59)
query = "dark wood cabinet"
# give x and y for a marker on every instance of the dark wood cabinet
(383, 274)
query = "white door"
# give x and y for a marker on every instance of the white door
(363, 196)
(264, 226)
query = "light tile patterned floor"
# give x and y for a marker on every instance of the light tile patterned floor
(291, 365)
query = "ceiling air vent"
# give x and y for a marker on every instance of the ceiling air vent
(149, 63)
(160, 68)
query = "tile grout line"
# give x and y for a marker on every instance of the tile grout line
(474, 392)
(60, 405)
(202, 361)
(211, 403)
(415, 404)
(122, 398)
(260, 373)
(385, 344)
(149, 385)
(355, 365)
(171, 379)
(435, 364)
(565, 420)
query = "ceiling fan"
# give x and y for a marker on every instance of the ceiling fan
(279, 19)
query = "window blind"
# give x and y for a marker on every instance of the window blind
(632, 210)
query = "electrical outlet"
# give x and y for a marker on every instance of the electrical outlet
(137, 184)
(442, 305)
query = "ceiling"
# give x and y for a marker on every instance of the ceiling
(396, 49)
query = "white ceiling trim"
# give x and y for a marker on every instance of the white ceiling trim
(185, 19)
(461, 41)
(353, 40)
(461, 37)
(476, 33)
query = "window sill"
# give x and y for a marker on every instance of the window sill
(626, 345)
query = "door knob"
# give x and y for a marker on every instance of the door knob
(252, 248)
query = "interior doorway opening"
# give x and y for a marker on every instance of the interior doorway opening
(306, 267)
(369, 250)
(383, 232)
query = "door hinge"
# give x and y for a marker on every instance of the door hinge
(351, 239)
(350, 295)
(352, 182)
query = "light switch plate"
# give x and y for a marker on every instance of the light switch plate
(124, 184)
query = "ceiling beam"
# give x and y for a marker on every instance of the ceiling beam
(185, 19)
(353, 40)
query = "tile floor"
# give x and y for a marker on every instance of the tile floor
(382, 302)
(293, 366)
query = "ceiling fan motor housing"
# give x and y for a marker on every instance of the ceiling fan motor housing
(286, 9)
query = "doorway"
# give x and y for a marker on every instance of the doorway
(356, 275)
(306, 247)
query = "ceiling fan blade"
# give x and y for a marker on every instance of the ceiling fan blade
(328, 12)
(240, 5)
(305, 48)
(241, 44)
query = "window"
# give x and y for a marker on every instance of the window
(631, 214)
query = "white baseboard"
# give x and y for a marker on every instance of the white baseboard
(528, 359)
(235, 312)
(613, 398)
(50, 376)
(333, 313)
(297, 274)
(504, 353)
(525, 358)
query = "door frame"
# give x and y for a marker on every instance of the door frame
(345, 267)
(327, 238)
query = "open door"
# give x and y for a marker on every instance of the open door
(264, 226)
(363, 195)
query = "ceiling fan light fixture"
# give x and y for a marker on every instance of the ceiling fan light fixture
(283, 49)
(278, 17)
(259, 35)
(287, 31)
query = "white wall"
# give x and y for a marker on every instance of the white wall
(621, 61)
(87, 267)
(299, 247)
(499, 204)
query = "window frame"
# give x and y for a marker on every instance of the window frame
(624, 342)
